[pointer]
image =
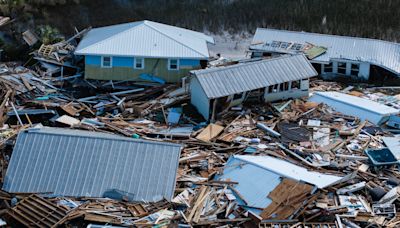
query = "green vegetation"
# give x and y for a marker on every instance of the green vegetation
(365, 18)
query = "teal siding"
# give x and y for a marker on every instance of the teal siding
(128, 61)
(93, 60)
(189, 62)
(122, 62)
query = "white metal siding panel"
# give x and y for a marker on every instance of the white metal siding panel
(199, 98)
(355, 106)
(364, 70)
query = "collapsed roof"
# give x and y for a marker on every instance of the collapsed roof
(242, 77)
(377, 52)
(81, 163)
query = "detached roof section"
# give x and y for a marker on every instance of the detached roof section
(351, 105)
(145, 39)
(81, 163)
(258, 176)
(377, 52)
(224, 81)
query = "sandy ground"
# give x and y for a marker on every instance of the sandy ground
(232, 46)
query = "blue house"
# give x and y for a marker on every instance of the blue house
(143, 49)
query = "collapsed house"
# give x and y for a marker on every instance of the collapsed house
(214, 90)
(272, 188)
(362, 108)
(90, 164)
(332, 55)
(143, 50)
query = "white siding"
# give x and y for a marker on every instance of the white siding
(364, 70)
(199, 98)
(355, 106)
(291, 93)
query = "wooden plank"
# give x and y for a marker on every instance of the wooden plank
(210, 132)
(286, 198)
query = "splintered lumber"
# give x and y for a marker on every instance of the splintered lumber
(198, 204)
(210, 132)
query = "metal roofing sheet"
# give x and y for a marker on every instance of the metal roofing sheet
(224, 81)
(80, 163)
(358, 102)
(378, 52)
(145, 39)
(289, 170)
(257, 176)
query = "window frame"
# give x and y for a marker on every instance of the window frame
(102, 62)
(341, 68)
(177, 64)
(135, 61)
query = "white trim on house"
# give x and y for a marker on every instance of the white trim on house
(102, 62)
(169, 64)
(134, 63)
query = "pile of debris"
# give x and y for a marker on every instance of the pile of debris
(138, 154)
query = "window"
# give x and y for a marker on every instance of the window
(295, 85)
(286, 86)
(355, 68)
(275, 44)
(328, 68)
(106, 61)
(139, 63)
(342, 68)
(237, 96)
(270, 89)
(296, 47)
(284, 45)
(276, 88)
(173, 64)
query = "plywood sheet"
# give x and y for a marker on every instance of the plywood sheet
(210, 132)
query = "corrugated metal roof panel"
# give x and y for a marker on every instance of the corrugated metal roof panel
(377, 52)
(80, 163)
(351, 105)
(145, 39)
(224, 81)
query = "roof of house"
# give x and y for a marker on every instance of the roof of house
(377, 52)
(145, 39)
(224, 81)
(257, 176)
(82, 163)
